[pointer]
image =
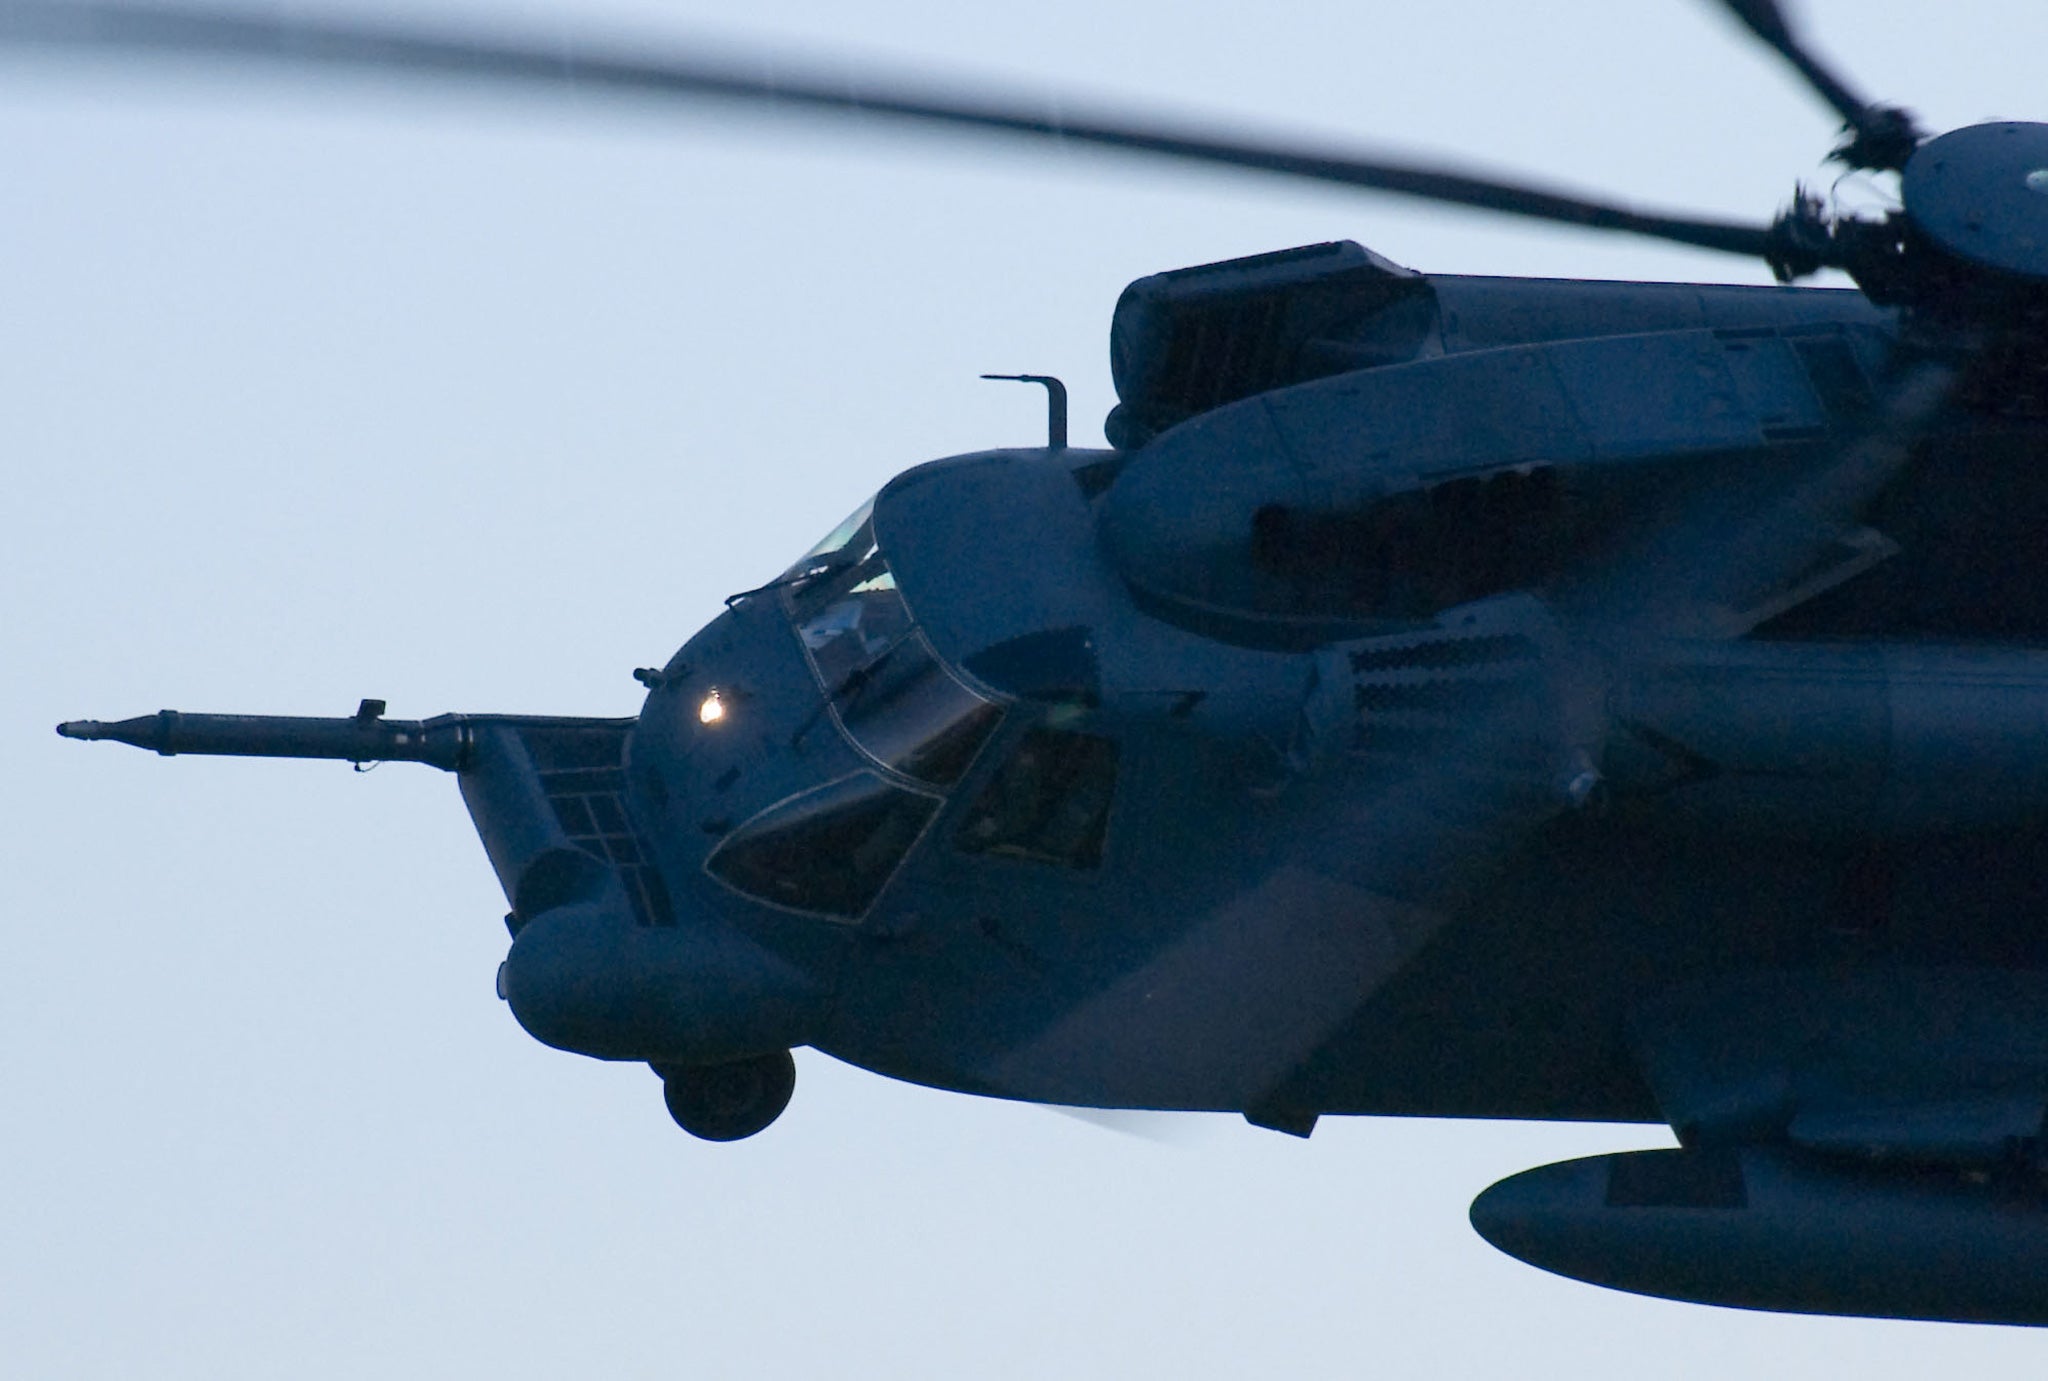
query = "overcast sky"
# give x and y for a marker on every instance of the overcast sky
(313, 390)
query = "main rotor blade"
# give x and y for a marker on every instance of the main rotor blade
(144, 29)
(1884, 135)
(1482, 790)
(1706, 569)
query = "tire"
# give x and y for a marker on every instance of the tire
(729, 1102)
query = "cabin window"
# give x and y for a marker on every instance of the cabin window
(1048, 803)
(831, 850)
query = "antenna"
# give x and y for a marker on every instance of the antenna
(1055, 405)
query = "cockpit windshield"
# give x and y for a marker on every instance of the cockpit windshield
(845, 606)
(832, 850)
(884, 685)
(832, 549)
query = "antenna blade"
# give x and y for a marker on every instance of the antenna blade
(155, 30)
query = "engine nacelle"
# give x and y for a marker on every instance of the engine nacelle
(1191, 340)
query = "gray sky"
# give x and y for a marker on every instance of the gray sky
(318, 390)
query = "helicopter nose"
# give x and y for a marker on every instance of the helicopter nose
(579, 980)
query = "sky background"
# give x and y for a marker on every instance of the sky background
(316, 389)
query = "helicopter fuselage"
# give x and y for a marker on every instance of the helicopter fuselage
(1191, 849)
(1576, 726)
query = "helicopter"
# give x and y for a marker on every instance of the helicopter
(1741, 642)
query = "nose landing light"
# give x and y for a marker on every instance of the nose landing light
(711, 709)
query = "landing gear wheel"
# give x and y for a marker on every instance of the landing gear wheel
(729, 1101)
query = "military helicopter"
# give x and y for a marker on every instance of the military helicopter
(1443, 688)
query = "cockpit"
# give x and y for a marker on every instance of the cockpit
(881, 681)
(918, 727)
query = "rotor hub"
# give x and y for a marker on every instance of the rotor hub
(1981, 194)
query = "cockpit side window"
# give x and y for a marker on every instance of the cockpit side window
(1049, 803)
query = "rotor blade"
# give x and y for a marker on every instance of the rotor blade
(144, 29)
(1438, 754)
(1783, 538)
(1429, 771)
(1884, 135)
(1494, 776)
(1159, 1128)
(1707, 572)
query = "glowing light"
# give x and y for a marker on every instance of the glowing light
(711, 710)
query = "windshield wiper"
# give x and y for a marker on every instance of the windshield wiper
(856, 681)
(851, 684)
(802, 577)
